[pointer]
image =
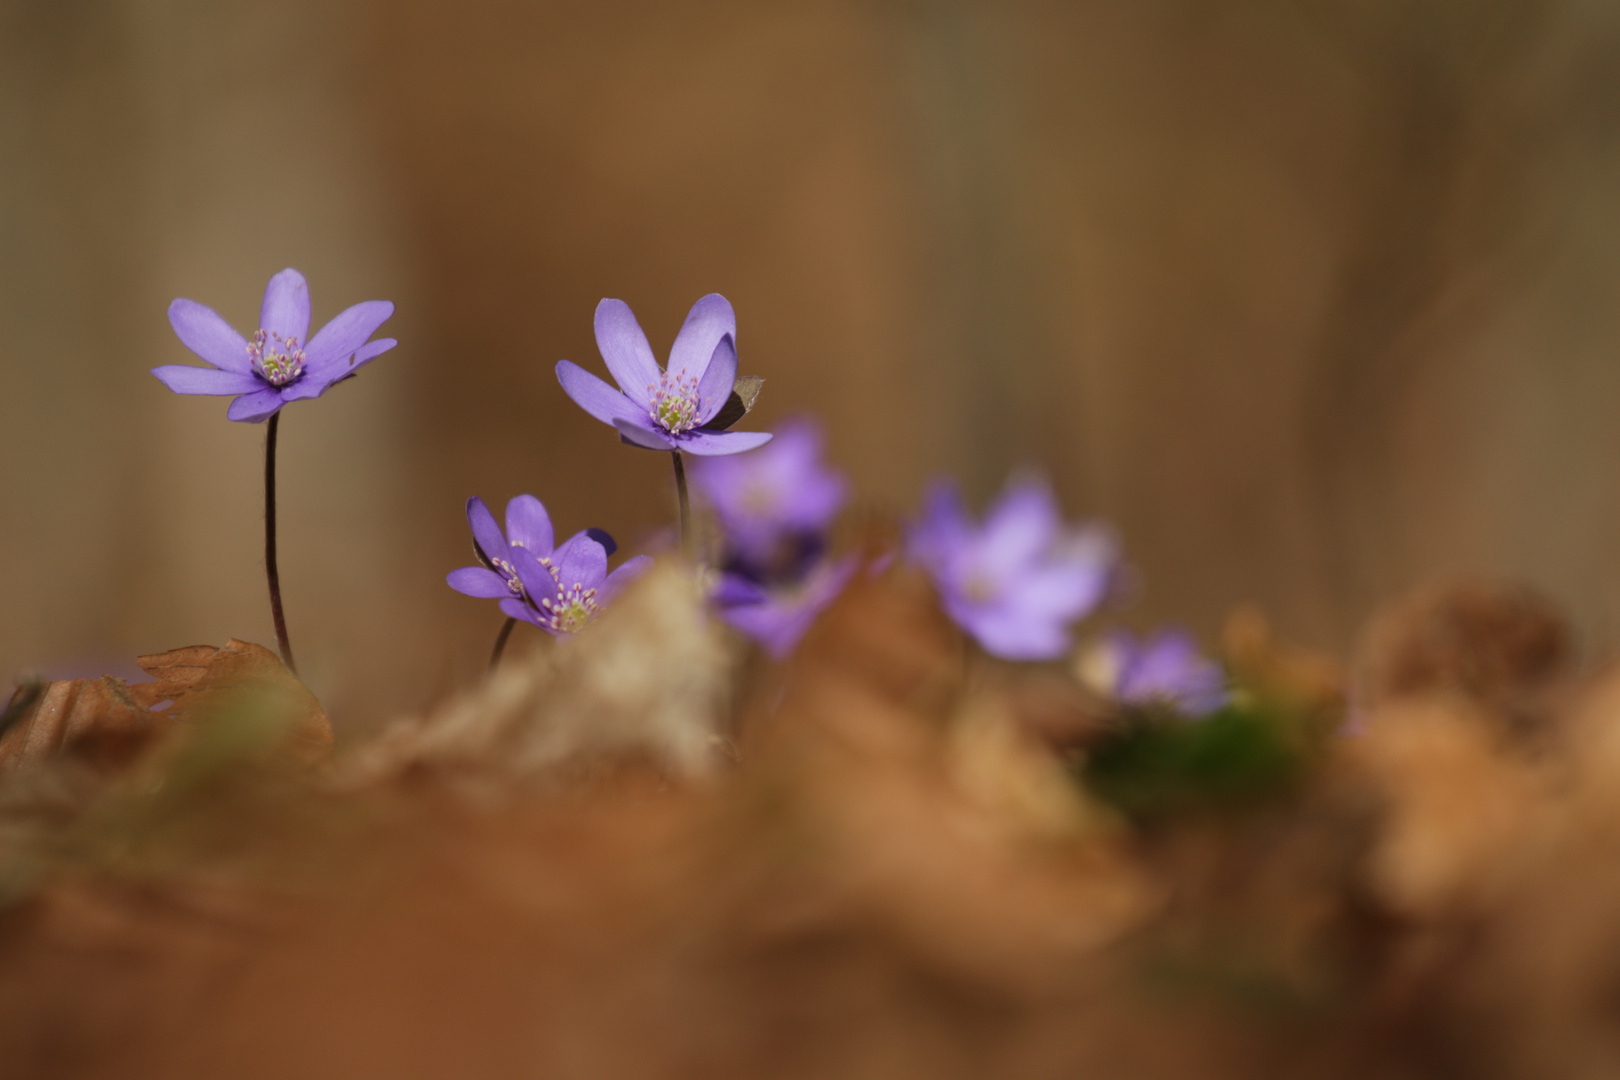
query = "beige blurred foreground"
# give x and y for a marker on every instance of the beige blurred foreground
(875, 863)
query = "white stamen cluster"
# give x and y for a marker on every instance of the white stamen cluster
(509, 572)
(573, 607)
(675, 404)
(276, 360)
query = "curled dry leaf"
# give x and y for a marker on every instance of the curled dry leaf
(100, 721)
(107, 722)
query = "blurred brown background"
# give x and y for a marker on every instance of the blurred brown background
(1312, 299)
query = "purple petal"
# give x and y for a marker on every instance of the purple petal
(625, 350)
(715, 443)
(313, 385)
(370, 351)
(517, 609)
(183, 379)
(201, 330)
(597, 397)
(285, 310)
(1020, 526)
(710, 319)
(718, 379)
(476, 581)
(640, 433)
(1065, 592)
(252, 408)
(537, 580)
(615, 582)
(485, 532)
(735, 590)
(1014, 635)
(580, 561)
(528, 525)
(335, 342)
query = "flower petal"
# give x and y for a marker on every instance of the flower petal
(625, 350)
(285, 310)
(715, 443)
(335, 342)
(528, 525)
(580, 561)
(639, 433)
(1015, 635)
(537, 580)
(313, 385)
(605, 538)
(710, 319)
(184, 379)
(517, 609)
(615, 582)
(201, 330)
(252, 408)
(595, 396)
(1064, 591)
(1020, 526)
(486, 534)
(718, 378)
(476, 581)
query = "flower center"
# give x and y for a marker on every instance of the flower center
(979, 588)
(275, 359)
(675, 403)
(574, 606)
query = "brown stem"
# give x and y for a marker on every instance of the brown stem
(270, 570)
(686, 506)
(500, 643)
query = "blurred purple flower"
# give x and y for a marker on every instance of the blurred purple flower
(664, 409)
(1017, 581)
(1165, 670)
(773, 505)
(777, 615)
(277, 366)
(557, 590)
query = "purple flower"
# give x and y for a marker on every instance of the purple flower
(1016, 582)
(1165, 670)
(279, 365)
(665, 409)
(557, 590)
(777, 616)
(775, 503)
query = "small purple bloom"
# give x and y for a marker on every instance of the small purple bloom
(777, 616)
(1017, 581)
(281, 363)
(775, 499)
(668, 408)
(1166, 670)
(557, 590)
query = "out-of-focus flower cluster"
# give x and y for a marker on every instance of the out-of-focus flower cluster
(775, 508)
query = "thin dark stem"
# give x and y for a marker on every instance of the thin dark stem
(500, 643)
(270, 570)
(686, 505)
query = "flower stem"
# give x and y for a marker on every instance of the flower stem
(686, 505)
(500, 643)
(270, 570)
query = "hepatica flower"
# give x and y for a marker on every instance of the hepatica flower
(774, 504)
(1165, 670)
(777, 614)
(678, 407)
(557, 589)
(1017, 581)
(281, 363)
